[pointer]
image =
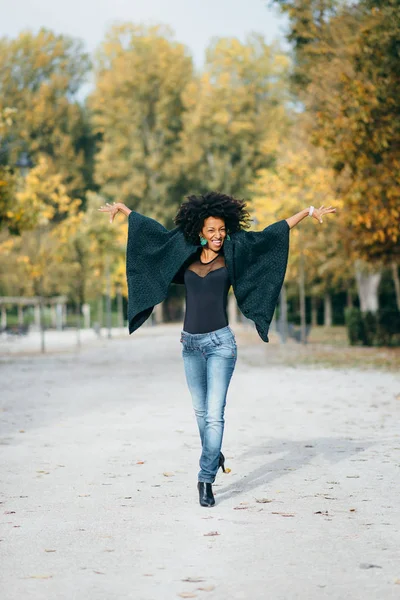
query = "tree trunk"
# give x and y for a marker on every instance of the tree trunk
(158, 313)
(302, 300)
(100, 313)
(78, 324)
(396, 280)
(3, 317)
(20, 315)
(42, 334)
(368, 282)
(349, 299)
(120, 309)
(283, 324)
(327, 310)
(108, 298)
(314, 311)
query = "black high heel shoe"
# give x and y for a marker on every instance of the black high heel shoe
(221, 462)
(206, 496)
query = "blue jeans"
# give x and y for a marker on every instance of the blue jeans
(209, 360)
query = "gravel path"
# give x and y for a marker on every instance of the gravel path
(99, 457)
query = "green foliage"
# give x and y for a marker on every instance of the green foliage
(347, 61)
(40, 75)
(137, 108)
(235, 113)
(368, 329)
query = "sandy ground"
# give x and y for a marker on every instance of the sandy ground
(99, 459)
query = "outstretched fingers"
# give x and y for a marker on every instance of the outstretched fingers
(110, 208)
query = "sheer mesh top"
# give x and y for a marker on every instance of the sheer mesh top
(207, 286)
(203, 269)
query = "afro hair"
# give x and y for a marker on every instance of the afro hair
(196, 209)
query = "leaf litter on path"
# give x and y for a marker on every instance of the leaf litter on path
(283, 514)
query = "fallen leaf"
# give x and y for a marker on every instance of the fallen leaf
(263, 500)
(166, 474)
(9, 512)
(99, 572)
(40, 576)
(22, 430)
(187, 595)
(283, 514)
(240, 507)
(140, 462)
(49, 550)
(193, 579)
(211, 533)
(353, 476)
(353, 509)
(228, 470)
(207, 588)
(83, 495)
(321, 512)
(369, 566)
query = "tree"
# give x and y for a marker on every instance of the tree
(302, 178)
(40, 76)
(137, 111)
(235, 113)
(86, 243)
(7, 178)
(350, 89)
(38, 208)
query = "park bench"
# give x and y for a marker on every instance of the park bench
(16, 330)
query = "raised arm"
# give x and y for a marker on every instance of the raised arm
(114, 208)
(316, 213)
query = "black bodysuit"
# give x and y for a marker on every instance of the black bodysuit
(207, 286)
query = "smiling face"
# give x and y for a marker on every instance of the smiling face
(214, 231)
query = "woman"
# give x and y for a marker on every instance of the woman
(209, 251)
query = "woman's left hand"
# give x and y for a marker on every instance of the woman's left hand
(318, 213)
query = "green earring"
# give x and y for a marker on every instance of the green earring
(228, 237)
(203, 241)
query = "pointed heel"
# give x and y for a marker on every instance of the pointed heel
(222, 462)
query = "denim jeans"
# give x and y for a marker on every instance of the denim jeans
(209, 360)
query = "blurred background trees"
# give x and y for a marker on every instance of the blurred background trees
(318, 125)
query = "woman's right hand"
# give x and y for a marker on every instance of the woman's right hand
(114, 208)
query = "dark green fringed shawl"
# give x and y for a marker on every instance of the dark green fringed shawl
(156, 256)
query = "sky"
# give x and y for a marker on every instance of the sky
(195, 22)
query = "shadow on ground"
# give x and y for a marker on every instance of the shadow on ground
(296, 454)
